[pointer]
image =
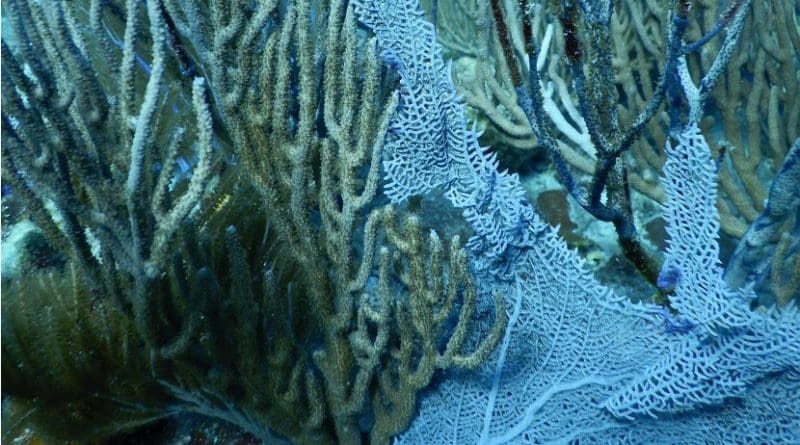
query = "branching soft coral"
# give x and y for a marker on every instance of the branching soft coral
(254, 275)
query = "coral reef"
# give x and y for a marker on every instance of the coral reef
(252, 212)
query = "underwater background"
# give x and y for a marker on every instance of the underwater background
(393, 221)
